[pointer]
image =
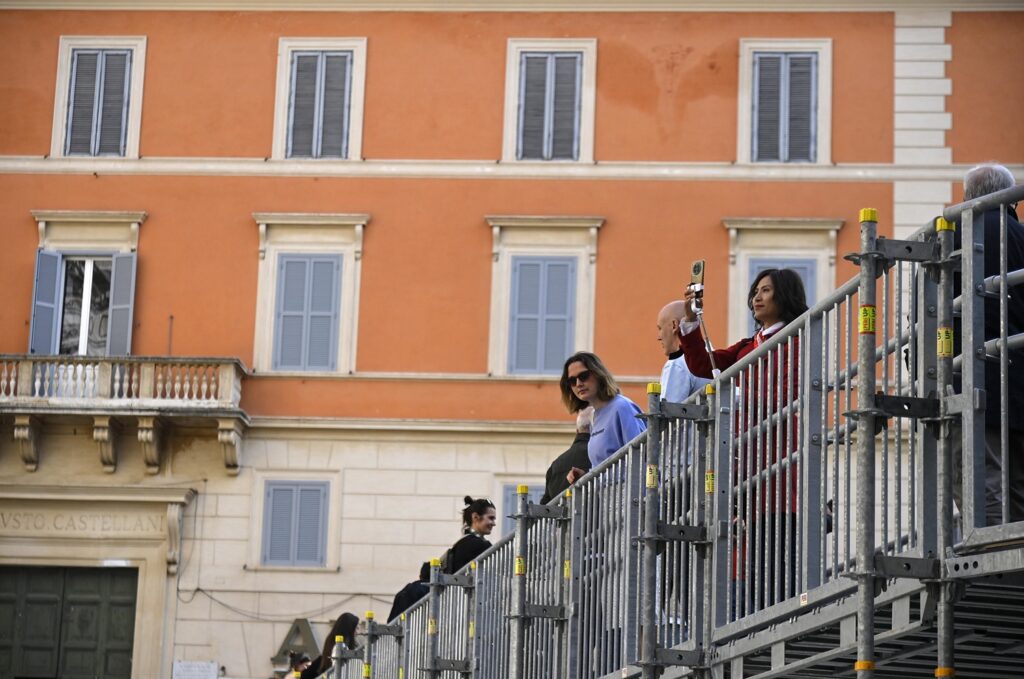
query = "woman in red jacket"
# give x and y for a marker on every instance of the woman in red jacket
(762, 441)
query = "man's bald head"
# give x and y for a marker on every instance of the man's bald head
(668, 323)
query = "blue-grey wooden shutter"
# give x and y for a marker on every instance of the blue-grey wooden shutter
(533, 78)
(767, 107)
(785, 107)
(802, 113)
(806, 267)
(278, 518)
(303, 105)
(336, 95)
(85, 65)
(311, 524)
(295, 523)
(98, 106)
(113, 110)
(122, 298)
(322, 328)
(542, 306)
(566, 107)
(45, 303)
(306, 322)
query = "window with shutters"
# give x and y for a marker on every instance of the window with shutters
(542, 308)
(84, 286)
(549, 100)
(306, 315)
(319, 110)
(308, 292)
(807, 245)
(295, 523)
(542, 292)
(785, 101)
(99, 97)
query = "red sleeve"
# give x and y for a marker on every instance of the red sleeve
(696, 355)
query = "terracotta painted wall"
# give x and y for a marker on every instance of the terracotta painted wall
(987, 71)
(435, 81)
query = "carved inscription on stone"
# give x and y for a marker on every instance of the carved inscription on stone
(81, 524)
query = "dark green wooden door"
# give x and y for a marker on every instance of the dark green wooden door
(72, 623)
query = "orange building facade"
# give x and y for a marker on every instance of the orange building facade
(346, 248)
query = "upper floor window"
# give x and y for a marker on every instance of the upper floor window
(99, 97)
(320, 90)
(307, 293)
(84, 292)
(295, 523)
(549, 100)
(542, 292)
(785, 101)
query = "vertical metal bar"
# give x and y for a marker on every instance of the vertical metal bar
(471, 613)
(433, 613)
(972, 460)
(1004, 366)
(370, 647)
(924, 505)
(865, 664)
(517, 645)
(944, 375)
(574, 601)
(811, 467)
(628, 545)
(649, 567)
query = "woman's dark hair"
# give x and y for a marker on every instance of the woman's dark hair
(607, 389)
(296, 658)
(477, 506)
(788, 293)
(344, 626)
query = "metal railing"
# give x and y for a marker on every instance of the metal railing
(813, 471)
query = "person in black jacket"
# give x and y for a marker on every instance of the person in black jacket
(981, 181)
(557, 479)
(412, 592)
(477, 521)
(344, 626)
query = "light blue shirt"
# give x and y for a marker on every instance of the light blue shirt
(677, 382)
(615, 425)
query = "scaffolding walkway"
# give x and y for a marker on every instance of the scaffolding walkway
(821, 511)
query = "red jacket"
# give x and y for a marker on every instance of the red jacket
(755, 456)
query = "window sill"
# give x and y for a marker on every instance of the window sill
(291, 569)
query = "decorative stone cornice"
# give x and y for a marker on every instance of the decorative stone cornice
(26, 433)
(312, 220)
(229, 433)
(105, 432)
(151, 439)
(114, 219)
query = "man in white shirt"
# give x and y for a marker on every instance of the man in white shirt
(677, 383)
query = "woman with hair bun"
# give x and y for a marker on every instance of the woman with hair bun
(477, 522)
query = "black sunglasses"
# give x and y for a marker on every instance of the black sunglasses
(576, 379)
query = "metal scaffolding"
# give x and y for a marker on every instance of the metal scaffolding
(821, 510)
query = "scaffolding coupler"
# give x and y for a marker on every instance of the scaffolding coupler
(447, 665)
(682, 411)
(917, 568)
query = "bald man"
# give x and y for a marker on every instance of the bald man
(676, 381)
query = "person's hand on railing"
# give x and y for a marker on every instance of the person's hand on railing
(574, 474)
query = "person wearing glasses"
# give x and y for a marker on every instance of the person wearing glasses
(586, 382)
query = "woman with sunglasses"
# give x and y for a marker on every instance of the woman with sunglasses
(586, 382)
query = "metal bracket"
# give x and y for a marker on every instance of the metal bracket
(388, 630)
(350, 653)
(907, 567)
(908, 250)
(546, 612)
(962, 403)
(684, 411)
(907, 406)
(457, 580)
(446, 664)
(668, 657)
(672, 533)
(556, 512)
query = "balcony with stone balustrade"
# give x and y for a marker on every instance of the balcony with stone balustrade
(154, 393)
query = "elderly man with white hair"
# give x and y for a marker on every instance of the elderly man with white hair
(982, 181)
